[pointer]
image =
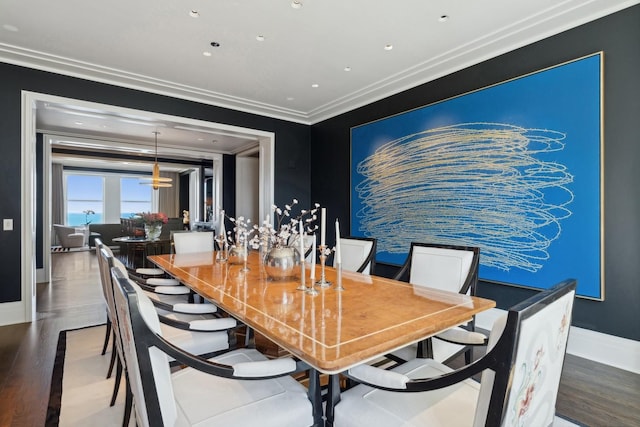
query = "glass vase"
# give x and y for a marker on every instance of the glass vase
(152, 231)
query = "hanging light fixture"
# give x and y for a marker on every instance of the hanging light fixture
(156, 180)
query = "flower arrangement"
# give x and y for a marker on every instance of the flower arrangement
(287, 226)
(157, 218)
(86, 216)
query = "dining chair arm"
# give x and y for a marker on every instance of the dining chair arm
(462, 336)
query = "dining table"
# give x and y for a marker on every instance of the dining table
(358, 318)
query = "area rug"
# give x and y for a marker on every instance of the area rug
(80, 393)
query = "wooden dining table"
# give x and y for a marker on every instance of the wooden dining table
(335, 329)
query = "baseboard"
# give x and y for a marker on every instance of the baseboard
(12, 313)
(607, 349)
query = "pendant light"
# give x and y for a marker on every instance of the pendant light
(156, 180)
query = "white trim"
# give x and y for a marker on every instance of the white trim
(607, 349)
(25, 309)
(28, 192)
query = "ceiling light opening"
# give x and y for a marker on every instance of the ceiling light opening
(215, 44)
(443, 18)
(296, 4)
(347, 68)
(388, 47)
(194, 14)
(315, 85)
(260, 38)
(206, 53)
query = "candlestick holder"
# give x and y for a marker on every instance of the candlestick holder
(246, 256)
(323, 282)
(339, 285)
(303, 281)
(222, 253)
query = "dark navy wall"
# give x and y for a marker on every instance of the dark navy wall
(618, 36)
(292, 174)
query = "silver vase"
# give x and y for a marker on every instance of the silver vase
(237, 255)
(282, 263)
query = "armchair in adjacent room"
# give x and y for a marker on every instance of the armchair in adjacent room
(68, 237)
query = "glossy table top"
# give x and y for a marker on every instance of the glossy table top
(334, 330)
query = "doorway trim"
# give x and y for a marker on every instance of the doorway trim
(25, 310)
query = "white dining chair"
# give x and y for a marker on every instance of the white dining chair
(446, 267)
(238, 388)
(357, 254)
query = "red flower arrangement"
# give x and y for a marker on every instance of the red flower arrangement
(149, 218)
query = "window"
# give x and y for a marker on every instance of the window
(134, 197)
(84, 194)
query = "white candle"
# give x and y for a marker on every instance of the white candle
(338, 257)
(221, 230)
(301, 241)
(313, 259)
(323, 226)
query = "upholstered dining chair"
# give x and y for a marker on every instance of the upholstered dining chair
(358, 254)
(204, 337)
(68, 237)
(519, 383)
(238, 388)
(451, 268)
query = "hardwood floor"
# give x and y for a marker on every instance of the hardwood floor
(590, 393)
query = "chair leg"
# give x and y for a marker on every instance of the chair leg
(116, 384)
(249, 341)
(128, 403)
(106, 337)
(113, 356)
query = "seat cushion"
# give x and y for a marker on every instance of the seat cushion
(216, 401)
(451, 406)
(200, 343)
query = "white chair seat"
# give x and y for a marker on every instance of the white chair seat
(158, 281)
(369, 407)
(217, 401)
(150, 271)
(196, 342)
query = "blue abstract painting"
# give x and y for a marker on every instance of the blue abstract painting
(513, 168)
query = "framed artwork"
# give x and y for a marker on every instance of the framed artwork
(514, 168)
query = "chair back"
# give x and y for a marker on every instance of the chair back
(104, 276)
(358, 254)
(106, 261)
(446, 267)
(195, 241)
(148, 368)
(307, 243)
(526, 353)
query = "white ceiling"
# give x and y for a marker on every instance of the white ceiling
(156, 46)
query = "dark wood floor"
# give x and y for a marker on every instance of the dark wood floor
(590, 393)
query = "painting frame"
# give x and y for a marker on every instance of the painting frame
(558, 111)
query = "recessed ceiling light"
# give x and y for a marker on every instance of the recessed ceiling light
(206, 53)
(78, 123)
(443, 18)
(200, 139)
(347, 68)
(260, 38)
(289, 98)
(315, 85)
(10, 27)
(296, 4)
(215, 44)
(388, 47)
(194, 14)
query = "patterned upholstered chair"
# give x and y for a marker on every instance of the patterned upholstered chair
(519, 386)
